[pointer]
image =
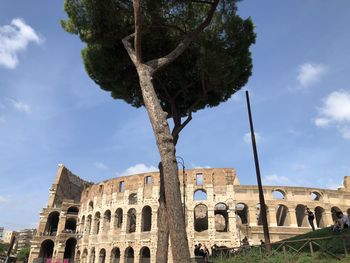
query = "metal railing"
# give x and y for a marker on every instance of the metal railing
(292, 248)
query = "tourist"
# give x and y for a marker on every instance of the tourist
(310, 217)
(205, 253)
(342, 221)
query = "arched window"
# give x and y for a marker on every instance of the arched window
(131, 223)
(82, 225)
(97, 223)
(315, 196)
(70, 226)
(282, 215)
(334, 211)
(146, 222)
(118, 218)
(242, 212)
(73, 210)
(259, 216)
(199, 195)
(100, 189)
(278, 194)
(133, 199)
(52, 223)
(221, 217)
(88, 224)
(121, 187)
(106, 221)
(300, 213)
(319, 212)
(129, 255)
(91, 206)
(148, 180)
(77, 257)
(46, 249)
(200, 218)
(84, 257)
(115, 255)
(145, 255)
(69, 250)
(102, 256)
(92, 256)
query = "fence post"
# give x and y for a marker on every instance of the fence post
(311, 248)
(344, 245)
(284, 253)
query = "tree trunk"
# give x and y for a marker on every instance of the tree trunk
(163, 228)
(164, 139)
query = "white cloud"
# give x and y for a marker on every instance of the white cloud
(101, 166)
(3, 200)
(274, 179)
(336, 110)
(322, 122)
(139, 168)
(194, 166)
(247, 138)
(13, 39)
(20, 105)
(309, 74)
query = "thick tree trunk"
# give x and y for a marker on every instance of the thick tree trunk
(164, 139)
(163, 228)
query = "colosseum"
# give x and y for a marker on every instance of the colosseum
(116, 220)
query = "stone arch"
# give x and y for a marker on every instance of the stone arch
(200, 195)
(300, 214)
(146, 222)
(118, 218)
(73, 210)
(84, 257)
(145, 255)
(315, 196)
(282, 215)
(115, 255)
(92, 255)
(131, 222)
(102, 256)
(70, 225)
(52, 223)
(259, 217)
(221, 217)
(319, 215)
(46, 249)
(77, 257)
(82, 224)
(91, 206)
(133, 199)
(129, 255)
(334, 210)
(69, 250)
(148, 180)
(88, 224)
(242, 212)
(278, 194)
(106, 221)
(97, 222)
(200, 218)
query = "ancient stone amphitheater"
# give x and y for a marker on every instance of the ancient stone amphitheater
(116, 220)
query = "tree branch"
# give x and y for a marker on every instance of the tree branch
(138, 26)
(129, 48)
(156, 64)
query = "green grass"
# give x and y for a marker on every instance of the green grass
(334, 245)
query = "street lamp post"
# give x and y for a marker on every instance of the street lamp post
(184, 184)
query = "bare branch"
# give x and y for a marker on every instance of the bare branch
(138, 26)
(129, 48)
(156, 64)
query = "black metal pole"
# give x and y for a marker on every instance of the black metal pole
(258, 177)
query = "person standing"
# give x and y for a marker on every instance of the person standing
(311, 218)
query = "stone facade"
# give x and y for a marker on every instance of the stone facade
(116, 220)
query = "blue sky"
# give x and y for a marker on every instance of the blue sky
(51, 112)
